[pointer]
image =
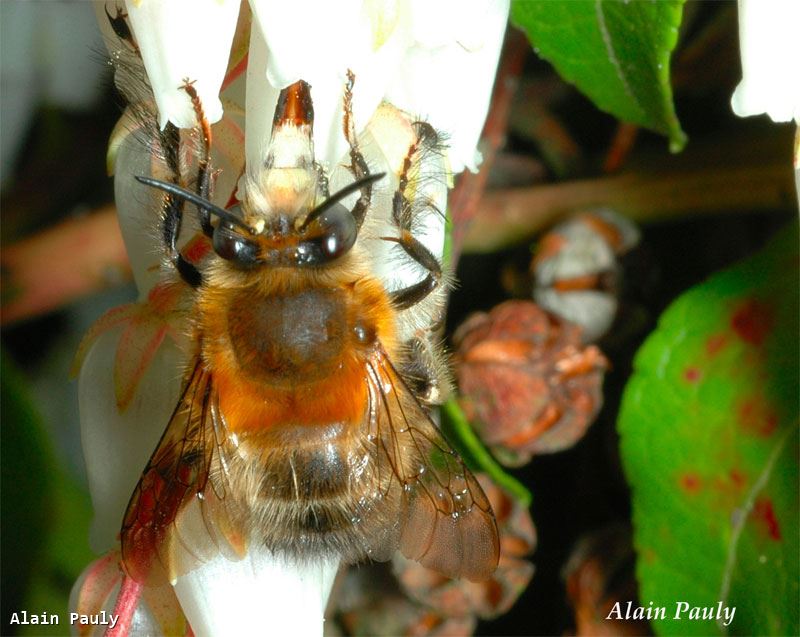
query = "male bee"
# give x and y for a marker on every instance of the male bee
(303, 422)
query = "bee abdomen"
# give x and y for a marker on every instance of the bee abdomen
(353, 528)
(306, 474)
(323, 496)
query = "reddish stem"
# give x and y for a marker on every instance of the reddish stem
(621, 146)
(125, 607)
(61, 264)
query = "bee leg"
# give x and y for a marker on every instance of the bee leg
(425, 370)
(402, 210)
(172, 213)
(120, 26)
(173, 206)
(403, 213)
(358, 165)
(407, 297)
(322, 181)
(203, 184)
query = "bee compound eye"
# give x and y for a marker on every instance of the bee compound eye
(233, 247)
(332, 235)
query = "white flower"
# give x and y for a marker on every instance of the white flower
(447, 74)
(770, 46)
(259, 595)
(180, 40)
(434, 60)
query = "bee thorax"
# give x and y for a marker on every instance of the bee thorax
(288, 338)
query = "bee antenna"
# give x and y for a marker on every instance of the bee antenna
(338, 196)
(197, 200)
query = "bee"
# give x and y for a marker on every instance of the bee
(303, 423)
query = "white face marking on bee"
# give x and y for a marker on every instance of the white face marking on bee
(285, 182)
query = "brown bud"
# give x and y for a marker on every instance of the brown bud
(599, 574)
(401, 616)
(576, 270)
(527, 382)
(367, 600)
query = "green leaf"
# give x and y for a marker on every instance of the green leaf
(709, 439)
(476, 456)
(614, 51)
(27, 488)
(45, 514)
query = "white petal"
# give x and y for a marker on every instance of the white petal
(368, 38)
(294, 46)
(770, 46)
(593, 310)
(261, 98)
(443, 22)
(450, 86)
(584, 252)
(138, 214)
(89, 596)
(307, 36)
(116, 446)
(260, 595)
(446, 76)
(184, 40)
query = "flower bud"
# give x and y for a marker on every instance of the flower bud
(527, 382)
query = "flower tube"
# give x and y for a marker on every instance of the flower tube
(770, 53)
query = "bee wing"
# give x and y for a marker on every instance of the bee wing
(179, 515)
(447, 521)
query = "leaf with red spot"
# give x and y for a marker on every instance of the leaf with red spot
(709, 437)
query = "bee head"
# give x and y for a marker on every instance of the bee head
(328, 232)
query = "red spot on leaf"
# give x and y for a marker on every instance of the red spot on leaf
(715, 343)
(692, 375)
(728, 487)
(770, 423)
(764, 516)
(690, 482)
(752, 321)
(756, 417)
(738, 478)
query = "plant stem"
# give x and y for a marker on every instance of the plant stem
(512, 216)
(475, 454)
(75, 258)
